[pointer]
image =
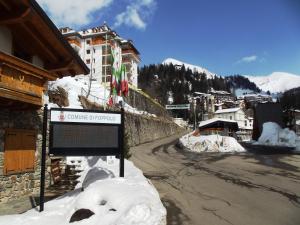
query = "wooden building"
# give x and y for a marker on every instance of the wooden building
(32, 52)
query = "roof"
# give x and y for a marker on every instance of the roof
(36, 33)
(218, 123)
(230, 110)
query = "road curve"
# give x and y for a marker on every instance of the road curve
(212, 189)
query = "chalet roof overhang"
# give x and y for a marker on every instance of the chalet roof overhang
(129, 46)
(32, 28)
(221, 124)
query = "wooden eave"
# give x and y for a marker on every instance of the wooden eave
(32, 28)
(25, 67)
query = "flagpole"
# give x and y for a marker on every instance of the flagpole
(105, 70)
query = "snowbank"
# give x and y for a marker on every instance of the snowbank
(210, 143)
(273, 134)
(79, 85)
(114, 200)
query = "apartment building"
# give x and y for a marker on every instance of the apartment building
(95, 47)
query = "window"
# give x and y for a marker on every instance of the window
(106, 60)
(108, 78)
(104, 47)
(245, 123)
(230, 117)
(94, 60)
(19, 151)
(88, 61)
(88, 42)
(88, 51)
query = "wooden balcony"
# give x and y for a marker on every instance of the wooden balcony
(75, 42)
(21, 81)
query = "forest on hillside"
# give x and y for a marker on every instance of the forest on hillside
(290, 99)
(162, 81)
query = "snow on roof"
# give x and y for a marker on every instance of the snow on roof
(213, 120)
(219, 104)
(219, 92)
(227, 110)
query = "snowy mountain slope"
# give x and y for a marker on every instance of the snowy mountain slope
(199, 69)
(276, 82)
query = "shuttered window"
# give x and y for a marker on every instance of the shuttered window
(19, 151)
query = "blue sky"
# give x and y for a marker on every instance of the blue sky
(254, 37)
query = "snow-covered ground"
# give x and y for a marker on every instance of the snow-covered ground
(274, 135)
(79, 85)
(131, 200)
(210, 143)
(276, 82)
(114, 200)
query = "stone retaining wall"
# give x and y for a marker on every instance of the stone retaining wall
(142, 129)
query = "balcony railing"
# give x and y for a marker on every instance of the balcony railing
(22, 81)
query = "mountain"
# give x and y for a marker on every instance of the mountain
(193, 68)
(276, 82)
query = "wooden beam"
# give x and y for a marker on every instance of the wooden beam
(40, 42)
(4, 3)
(17, 17)
(62, 66)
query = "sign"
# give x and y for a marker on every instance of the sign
(85, 117)
(85, 133)
(180, 106)
(78, 132)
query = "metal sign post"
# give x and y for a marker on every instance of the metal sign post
(77, 132)
(43, 160)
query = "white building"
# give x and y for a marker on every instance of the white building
(236, 114)
(94, 47)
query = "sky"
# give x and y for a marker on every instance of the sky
(250, 37)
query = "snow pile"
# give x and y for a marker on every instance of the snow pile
(193, 68)
(114, 200)
(276, 82)
(211, 143)
(273, 134)
(79, 85)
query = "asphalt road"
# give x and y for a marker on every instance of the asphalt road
(212, 189)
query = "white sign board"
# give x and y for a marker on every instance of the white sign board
(85, 117)
(181, 106)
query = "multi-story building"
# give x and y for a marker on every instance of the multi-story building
(245, 123)
(95, 47)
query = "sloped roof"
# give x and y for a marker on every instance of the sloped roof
(230, 110)
(34, 31)
(218, 123)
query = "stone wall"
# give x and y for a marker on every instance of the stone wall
(20, 184)
(142, 129)
(142, 101)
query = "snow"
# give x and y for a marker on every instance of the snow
(230, 110)
(206, 122)
(114, 200)
(274, 135)
(79, 85)
(194, 68)
(210, 143)
(276, 82)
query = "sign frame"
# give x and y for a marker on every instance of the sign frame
(99, 151)
(179, 106)
(96, 151)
